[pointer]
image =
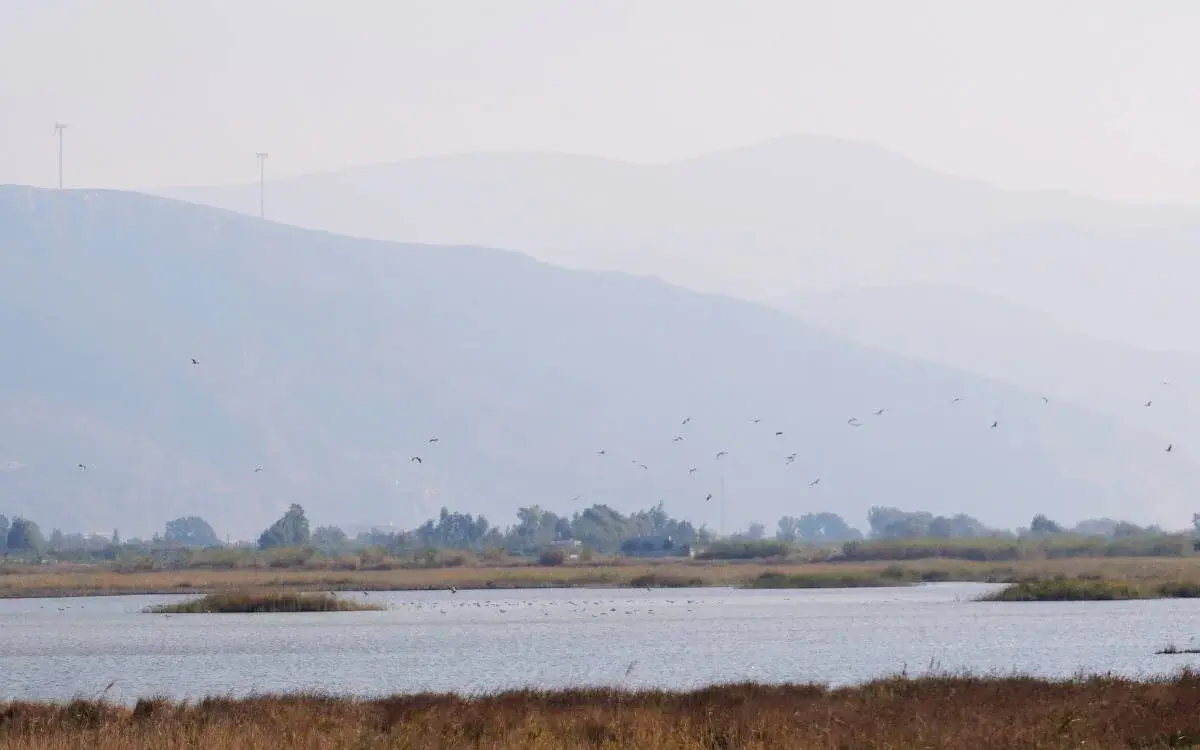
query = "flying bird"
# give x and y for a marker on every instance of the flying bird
(756, 420)
(258, 468)
(791, 458)
(779, 433)
(1045, 400)
(708, 497)
(416, 459)
(853, 422)
(956, 399)
(879, 412)
(996, 423)
(1147, 403)
(576, 498)
(195, 361)
(601, 452)
(814, 482)
(692, 470)
(677, 439)
(1170, 447)
(642, 466)
(721, 453)
(81, 467)
(686, 420)
(433, 440)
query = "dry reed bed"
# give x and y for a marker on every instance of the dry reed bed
(246, 601)
(940, 712)
(83, 581)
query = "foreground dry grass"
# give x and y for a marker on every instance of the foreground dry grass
(96, 580)
(927, 713)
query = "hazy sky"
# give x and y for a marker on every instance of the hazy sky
(1097, 96)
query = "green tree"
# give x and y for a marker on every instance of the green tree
(535, 528)
(1043, 526)
(1125, 529)
(600, 528)
(191, 531)
(328, 537)
(25, 536)
(56, 543)
(454, 530)
(893, 523)
(3, 532)
(957, 527)
(289, 531)
(816, 528)
(787, 529)
(116, 538)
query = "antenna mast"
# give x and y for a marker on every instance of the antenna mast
(262, 184)
(723, 504)
(59, 127)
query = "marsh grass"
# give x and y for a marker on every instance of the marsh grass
(1172, 649)
(245, 602)
(1001, 549)
(80, 580)
(933, 712)
(666, 581)
(1064, 589)
(776, 579)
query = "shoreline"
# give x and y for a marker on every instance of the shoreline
(1144, 574)
(931, 711)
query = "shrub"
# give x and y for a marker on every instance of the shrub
(251, 601)
(658, 580)
(289, 557)
(745, 550)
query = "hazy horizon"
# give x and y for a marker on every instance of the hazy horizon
(835, 159)
(1098, 101)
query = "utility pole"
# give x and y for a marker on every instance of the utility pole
(722, 505)
(262, 184)
(59, 127)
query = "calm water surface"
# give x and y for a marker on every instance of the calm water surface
(482, 641)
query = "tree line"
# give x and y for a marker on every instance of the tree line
(599, 528)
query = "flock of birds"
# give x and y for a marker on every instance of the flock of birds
(595, 608)
(679, 437)
(790, 458)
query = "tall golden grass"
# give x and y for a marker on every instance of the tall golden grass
(938, 712)
(80, 580)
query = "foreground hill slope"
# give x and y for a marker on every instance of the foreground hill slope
(331, 361)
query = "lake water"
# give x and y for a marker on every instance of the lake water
(482, 641)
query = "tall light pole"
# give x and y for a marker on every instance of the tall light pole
(722, 503)
(262, 184)
(59, 127)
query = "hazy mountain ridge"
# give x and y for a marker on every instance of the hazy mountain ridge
(331, 361)
(794, 214)
(990, 336)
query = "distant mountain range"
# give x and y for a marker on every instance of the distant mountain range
(793, 215)
(332, 361)
(989, 336)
